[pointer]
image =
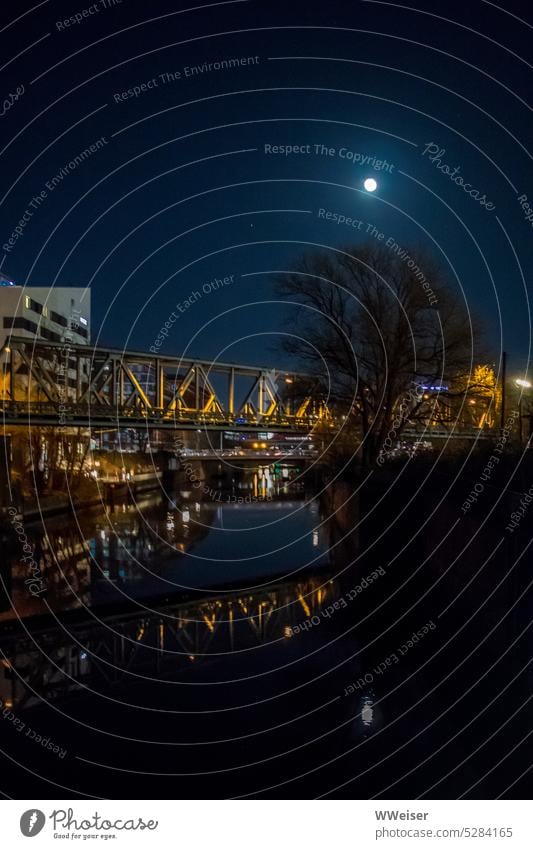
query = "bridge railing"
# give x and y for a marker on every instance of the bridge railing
(273, 453)
(459, 432)
(63, 414)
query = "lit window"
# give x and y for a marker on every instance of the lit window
(45, 310)
(27, 301)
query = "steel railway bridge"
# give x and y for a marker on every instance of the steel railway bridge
(59, 384)
(66, 385)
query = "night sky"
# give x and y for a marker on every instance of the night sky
(180, 190)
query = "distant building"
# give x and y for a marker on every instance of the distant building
(51, 313)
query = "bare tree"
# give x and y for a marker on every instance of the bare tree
(377, 326)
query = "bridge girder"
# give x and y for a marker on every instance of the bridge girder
(88, 384)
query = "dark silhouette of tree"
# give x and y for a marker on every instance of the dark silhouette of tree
(377, 326)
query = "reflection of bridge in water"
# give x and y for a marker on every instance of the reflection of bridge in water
(48, 383)
(57, 663)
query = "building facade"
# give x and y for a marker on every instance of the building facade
(55, 314)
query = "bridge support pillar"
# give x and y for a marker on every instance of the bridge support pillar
(231, 392)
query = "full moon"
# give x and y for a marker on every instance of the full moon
(370, 184)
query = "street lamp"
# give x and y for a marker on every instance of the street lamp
(522, 384)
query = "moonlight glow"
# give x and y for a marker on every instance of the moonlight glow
(370, 184)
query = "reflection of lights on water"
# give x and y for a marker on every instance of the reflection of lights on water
(315, 538)
(367, 711)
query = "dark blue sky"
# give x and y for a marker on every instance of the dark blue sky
(182, 192)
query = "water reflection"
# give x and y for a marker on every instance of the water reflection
(53, 663)
(162, 544)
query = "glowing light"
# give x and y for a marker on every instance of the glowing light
(304, 604)
(367, 712)
(370, 184)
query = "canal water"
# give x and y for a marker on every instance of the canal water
(265, 639)
(166, 544)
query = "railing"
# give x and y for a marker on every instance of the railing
(69, 414)
(249, 453)
(430, 432)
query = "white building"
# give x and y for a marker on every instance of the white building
(44, 312)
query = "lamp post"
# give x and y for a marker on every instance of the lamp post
(521, 384)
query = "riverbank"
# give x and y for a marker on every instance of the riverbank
(104, 491)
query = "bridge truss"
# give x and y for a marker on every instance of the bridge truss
(51, 383)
